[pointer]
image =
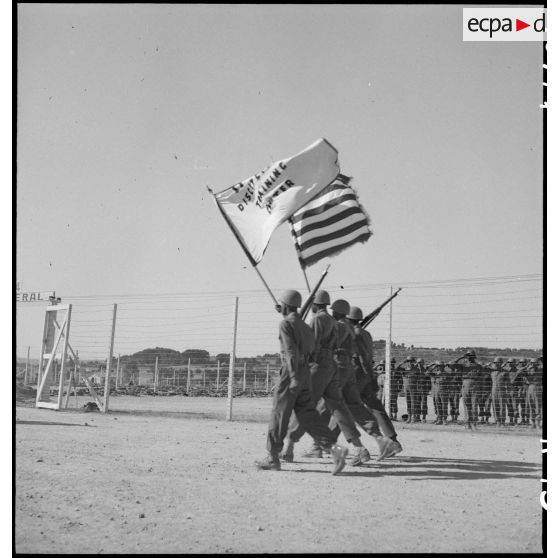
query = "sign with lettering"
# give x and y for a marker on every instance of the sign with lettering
(38, 296)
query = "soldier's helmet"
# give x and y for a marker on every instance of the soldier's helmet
(410, 359)
(322, 297)
(420, 361)
(511, 360)
(522, 361)
(291, 297)
(355, 313)
(533, 360)
(341, 306)
(498, 359)
(470, 354)
(438, 363)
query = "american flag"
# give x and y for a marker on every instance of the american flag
(330, 223)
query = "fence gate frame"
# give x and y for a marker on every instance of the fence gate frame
(62, 331)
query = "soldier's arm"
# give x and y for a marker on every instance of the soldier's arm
(288, 343)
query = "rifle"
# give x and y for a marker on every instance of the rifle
(306, 306)
(365, 322)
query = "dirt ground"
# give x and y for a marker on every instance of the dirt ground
(171, 475)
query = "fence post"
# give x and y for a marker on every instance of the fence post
(188, 379)
(387, 380)
(109, 362)
(156, 374)
(231, 362)
(244, 378)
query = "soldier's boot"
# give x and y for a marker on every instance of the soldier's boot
(270, 463)
(288, 452)
(423, 418)
(360, 457)
(315, 451)
(445, 421)
(438, 421)
(388, 448)
(338, 453)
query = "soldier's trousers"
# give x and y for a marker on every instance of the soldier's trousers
(423, 391)
(324, 382)
(454, 396)
(363, 416)
(440, 395)
(393, 396)
(500, 404)
(369, 398)
(519, 402)
(285, 401)
(484, 400)
(470, 393)
(534, 403)
(411, 390)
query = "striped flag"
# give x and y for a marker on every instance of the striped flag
(330, 223)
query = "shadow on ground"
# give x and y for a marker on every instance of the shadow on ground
(437, 468)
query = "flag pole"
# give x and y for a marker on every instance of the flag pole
(248, 255)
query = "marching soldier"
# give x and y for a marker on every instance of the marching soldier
(366, 378)
(472, 373)
(363, 416)
(534, 380)
(292, 392)
(324, 382)
(501, 389)
(410, 374)
(424, 386)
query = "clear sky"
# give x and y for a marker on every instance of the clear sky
(126, 113)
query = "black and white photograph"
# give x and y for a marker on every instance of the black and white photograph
(280, 278)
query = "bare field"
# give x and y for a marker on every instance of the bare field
(171, 475)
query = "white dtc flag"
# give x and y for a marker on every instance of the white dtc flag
(255, 207)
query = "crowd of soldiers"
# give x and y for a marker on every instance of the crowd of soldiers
(511, 390)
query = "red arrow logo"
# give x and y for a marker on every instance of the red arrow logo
(519, 25)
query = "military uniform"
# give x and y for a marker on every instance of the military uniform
(441, 382)
(455, 388)
(534, 378)
(324, 379)
(396, 386)
(366, 381)
(501, 391)
(518, 391)
(411, 381)
(472, 374)
(424, 387)
(347, 379)
(293, 390)
(380, 378)
(485, 394)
